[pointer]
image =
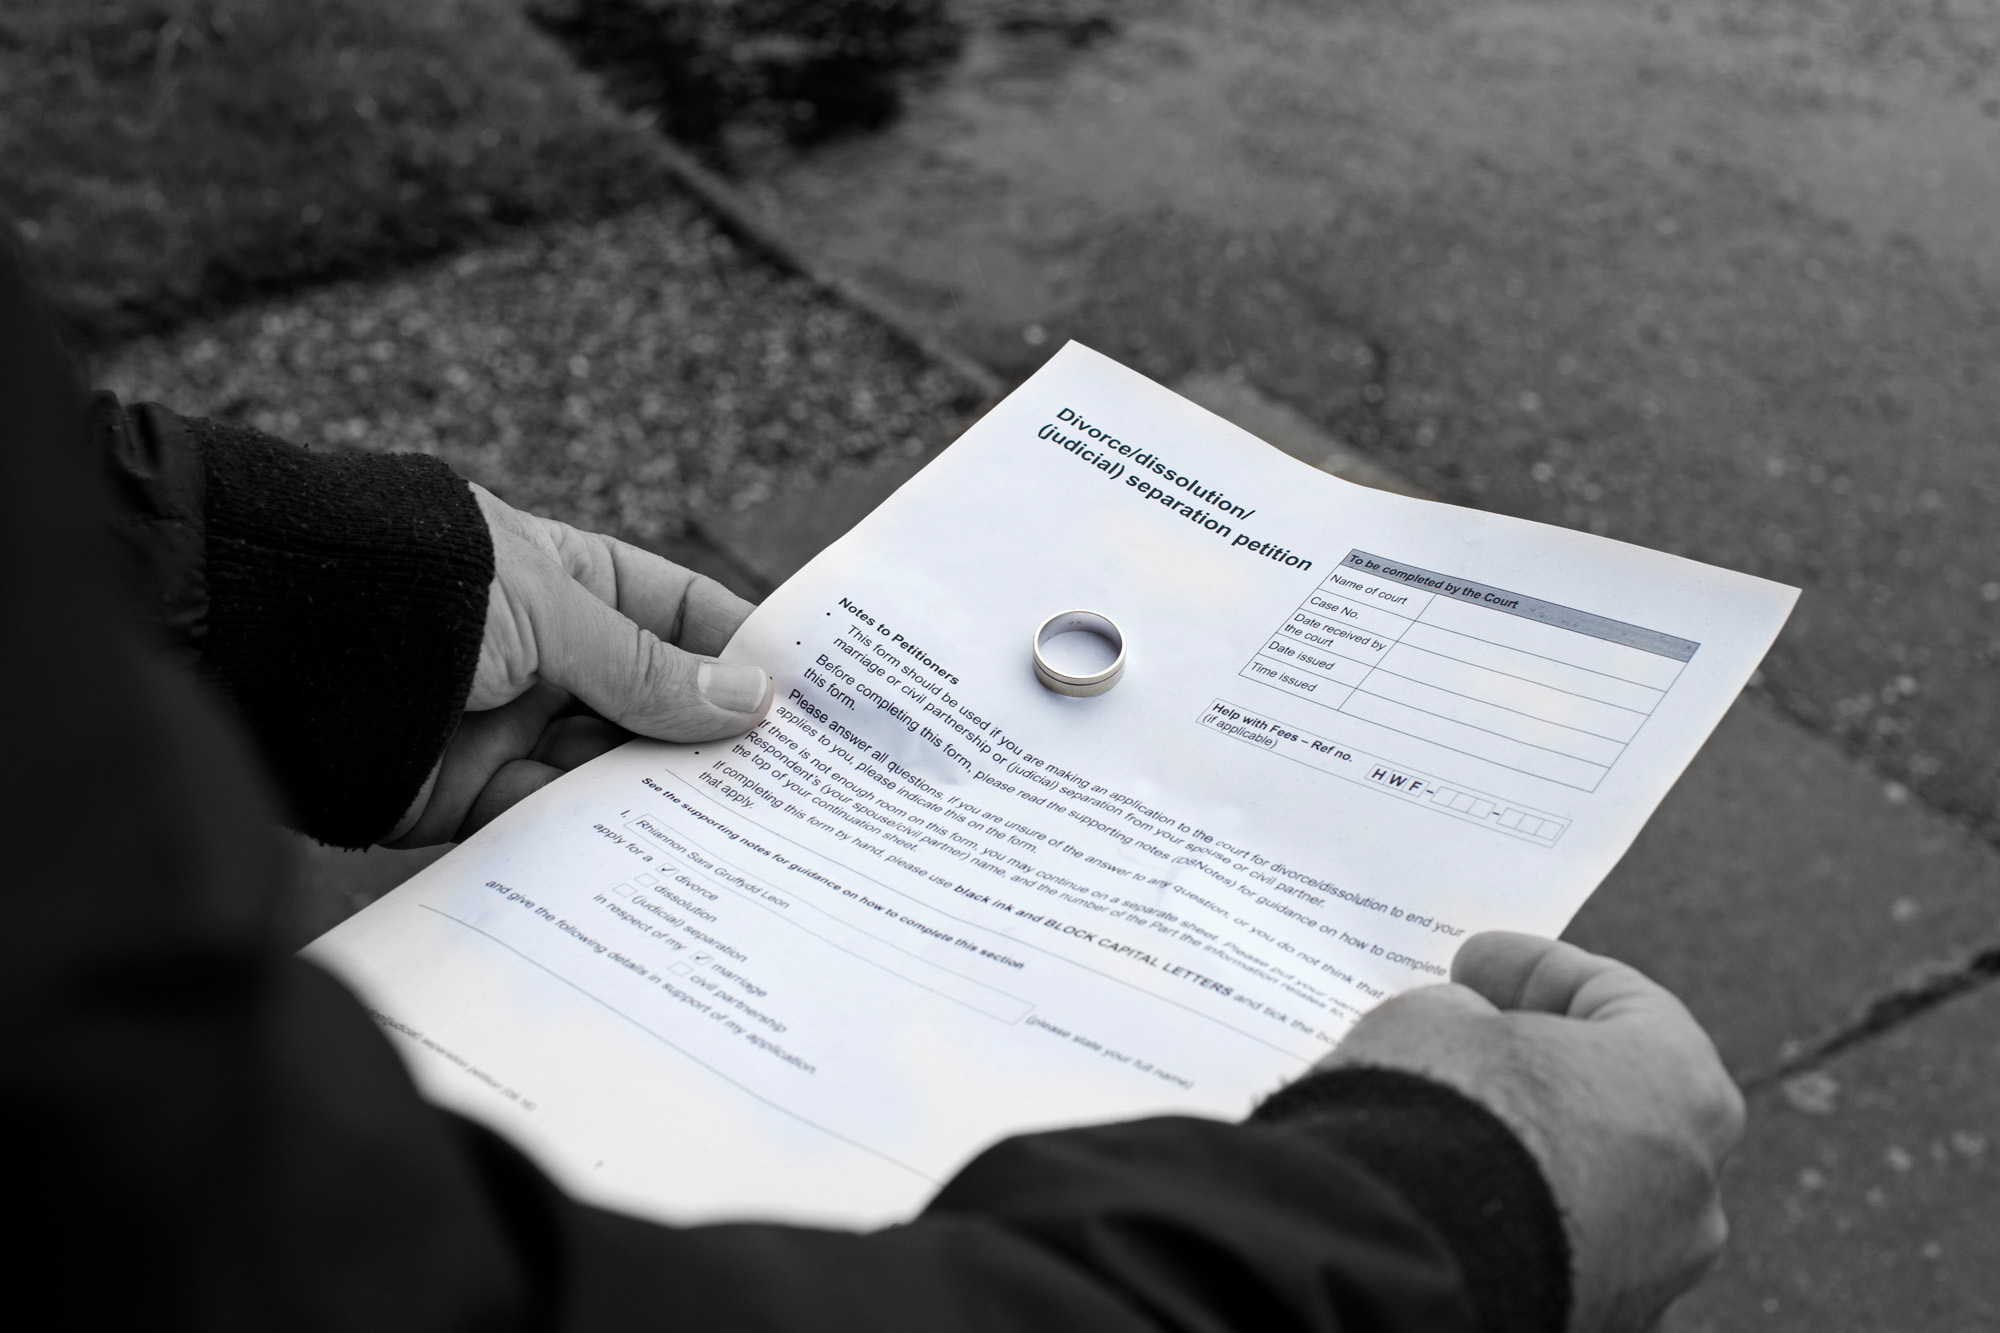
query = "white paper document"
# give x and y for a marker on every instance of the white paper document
(808, 973)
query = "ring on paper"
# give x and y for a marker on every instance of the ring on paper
(1069, 682)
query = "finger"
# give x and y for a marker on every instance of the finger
(481, 745)
(703, 618)
(633, 678)
(1528, 972)
(571, 742)
(686, 609)
(513, 782)
(413, 816)
(1498, 964)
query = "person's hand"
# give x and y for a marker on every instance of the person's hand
(576, 621)
(1610, 1083)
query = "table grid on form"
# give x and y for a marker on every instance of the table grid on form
(1529, 685)
(1283, 738)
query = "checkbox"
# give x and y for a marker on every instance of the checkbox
(622, 890)
(644, 881)
(680, 969)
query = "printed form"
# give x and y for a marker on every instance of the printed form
(807, 973)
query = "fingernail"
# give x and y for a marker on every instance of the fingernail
(737, 687)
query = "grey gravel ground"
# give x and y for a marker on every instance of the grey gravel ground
(626, 376)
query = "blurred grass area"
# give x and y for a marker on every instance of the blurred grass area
(162, 158)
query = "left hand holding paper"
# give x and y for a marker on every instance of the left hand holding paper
(576, 618)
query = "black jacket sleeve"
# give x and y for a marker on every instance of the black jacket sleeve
(1459, 1168)
(336, 601)
(202, 1131)
(1171, 1224)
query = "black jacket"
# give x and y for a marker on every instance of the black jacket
(205, 1131)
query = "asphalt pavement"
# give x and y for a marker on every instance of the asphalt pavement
(1713, 276)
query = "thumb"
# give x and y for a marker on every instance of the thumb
(1528, 972)
(629, 676)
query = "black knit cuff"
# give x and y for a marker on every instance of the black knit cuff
(346, 602)
(1461, 1169)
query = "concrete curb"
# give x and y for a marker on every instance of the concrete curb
(744, 221)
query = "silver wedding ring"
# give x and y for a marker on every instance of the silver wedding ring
(1065, 682)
